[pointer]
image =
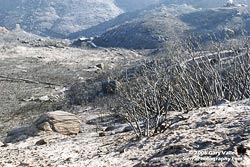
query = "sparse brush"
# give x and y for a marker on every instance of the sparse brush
(158, 87)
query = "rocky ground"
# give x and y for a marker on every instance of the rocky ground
(34, 79)
(206, 137)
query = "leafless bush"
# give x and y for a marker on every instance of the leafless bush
(158, 87)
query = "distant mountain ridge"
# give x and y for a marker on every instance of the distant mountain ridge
(101, 28)
(75, 18)
(165, 24)
(204, 3)
(58, 18)
(146, 29)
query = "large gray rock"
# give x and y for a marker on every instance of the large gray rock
(59, 121)
(56, 121)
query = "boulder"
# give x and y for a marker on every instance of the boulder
(59, 121)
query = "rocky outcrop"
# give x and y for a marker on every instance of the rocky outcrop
(57, 121)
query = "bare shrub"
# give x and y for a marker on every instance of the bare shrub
(157, 87)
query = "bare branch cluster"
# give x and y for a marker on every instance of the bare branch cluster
(158, 87)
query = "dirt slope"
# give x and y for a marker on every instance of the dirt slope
(205, 137)
(29, 72)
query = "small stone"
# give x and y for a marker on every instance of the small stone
(1, 144)
(100, 66)
(42, 142)
(241, 150)
(123, 150)
(220, 102)
(101, 134)
(69, 159)
(7, 145)
(24, 164)
(44, 98)
(45, 126)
